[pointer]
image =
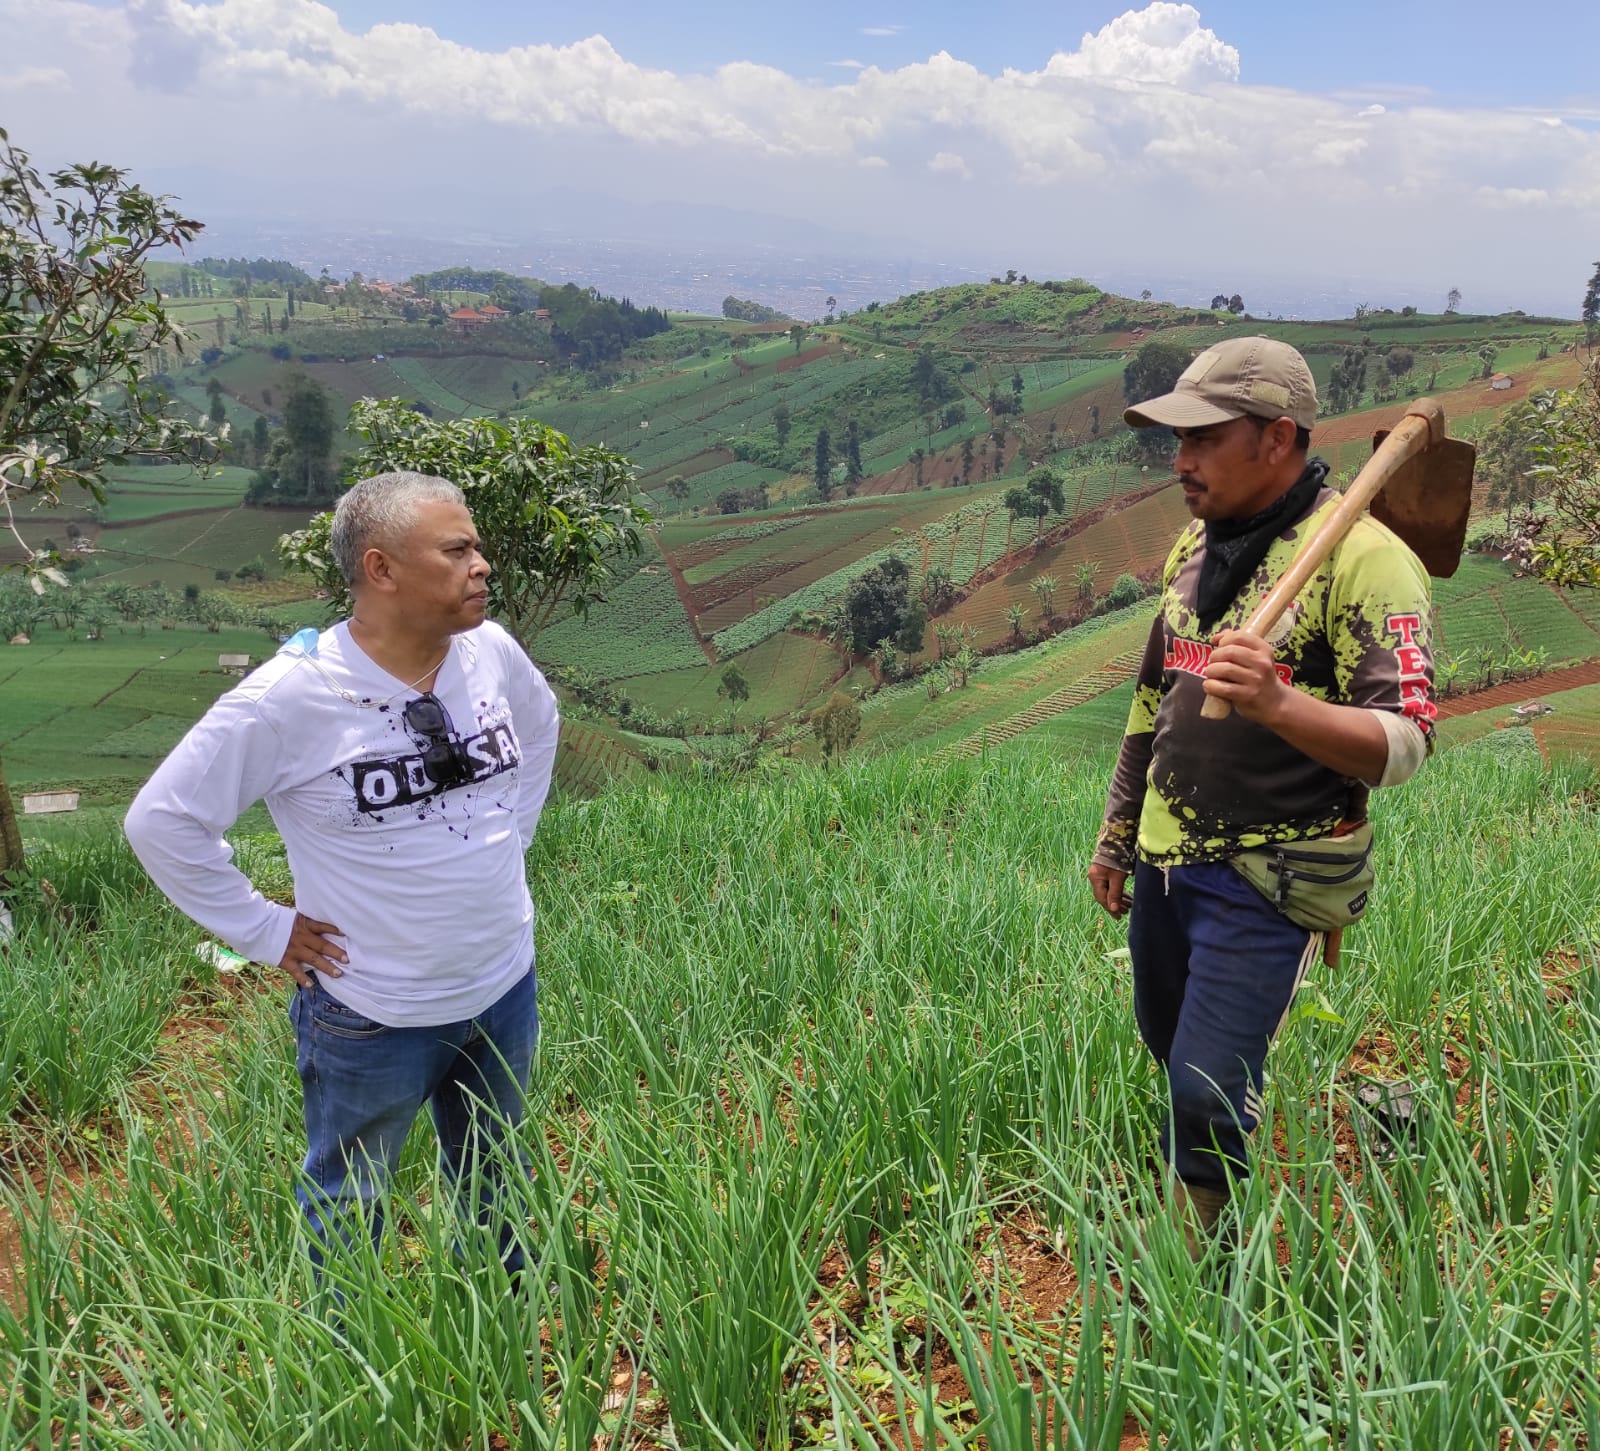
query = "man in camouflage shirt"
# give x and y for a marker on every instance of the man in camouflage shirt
(1339, 700)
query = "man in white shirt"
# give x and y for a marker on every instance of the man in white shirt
(404, 755)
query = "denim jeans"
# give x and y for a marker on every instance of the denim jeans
(363, 1084)
(1215, 967)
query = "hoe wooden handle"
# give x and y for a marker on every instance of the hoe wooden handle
(1423, 425)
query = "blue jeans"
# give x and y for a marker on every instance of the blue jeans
(363, 1084)
(1215, 967)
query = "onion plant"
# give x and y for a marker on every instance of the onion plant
(832, 1065)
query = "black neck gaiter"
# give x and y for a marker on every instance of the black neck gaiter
(1236, 547)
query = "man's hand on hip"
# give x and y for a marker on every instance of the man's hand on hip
(1243, 672)
(1107, 883)
(312, 948)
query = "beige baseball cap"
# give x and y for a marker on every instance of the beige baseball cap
(1258, 376)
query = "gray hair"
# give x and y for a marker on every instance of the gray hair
(378, 511)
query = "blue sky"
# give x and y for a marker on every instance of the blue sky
(1464, 51)
(1422, 144)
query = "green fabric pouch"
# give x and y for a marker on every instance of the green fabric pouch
(1320, 885)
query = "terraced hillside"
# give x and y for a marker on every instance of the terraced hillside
(951, 397)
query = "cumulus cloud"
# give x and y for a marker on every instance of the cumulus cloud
(1144, 115)
(1152, 92)
(1164, 43)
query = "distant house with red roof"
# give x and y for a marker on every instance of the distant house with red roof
(468, 319)
(491, 312)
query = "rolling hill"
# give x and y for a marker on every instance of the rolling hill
(953, 396)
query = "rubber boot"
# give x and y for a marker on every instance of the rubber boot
(1196, 1209)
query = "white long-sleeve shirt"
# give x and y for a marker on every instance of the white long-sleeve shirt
(428, 887)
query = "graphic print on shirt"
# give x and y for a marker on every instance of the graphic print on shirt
(398, 780)
(1187, 790)
(403, 780)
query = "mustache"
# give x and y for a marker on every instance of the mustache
(1189, 481)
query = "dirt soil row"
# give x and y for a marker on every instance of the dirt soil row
(1515, 691)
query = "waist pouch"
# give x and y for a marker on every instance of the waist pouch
(1320, 885)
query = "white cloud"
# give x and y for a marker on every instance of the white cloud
(1514, 196)
(1143, 125)
(881, 30)
(1163, 43)
(42, 78)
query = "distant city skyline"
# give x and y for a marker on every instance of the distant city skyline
(1363, 156)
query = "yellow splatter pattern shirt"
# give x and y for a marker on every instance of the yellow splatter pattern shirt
(1190, 790)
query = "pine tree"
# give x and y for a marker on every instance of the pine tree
(1591, 307)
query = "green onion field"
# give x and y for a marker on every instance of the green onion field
(838, 1133)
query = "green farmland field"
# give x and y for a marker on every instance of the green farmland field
(785, 673)
(80, 712)
(840, 1133)
(187, 549)
(641, 628)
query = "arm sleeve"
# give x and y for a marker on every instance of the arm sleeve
(538, 725)
(1379, 626)
(1119, 832)
(227, 762)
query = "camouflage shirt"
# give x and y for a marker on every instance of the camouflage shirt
(1190, 790)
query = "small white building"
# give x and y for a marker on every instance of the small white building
(1500, 382)
(44, 803)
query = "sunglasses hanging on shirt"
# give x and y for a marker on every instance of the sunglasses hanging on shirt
(445, 758)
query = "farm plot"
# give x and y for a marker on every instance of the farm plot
(239, 416)
(1129, 541)
(589, 758)
(616, 412)
(486, 380)
(360, 378)
(691, 548)
(1475, 575)
(188, 549)
(662, 425)
(640, 629)
(706, 485)
(147, 493)
(1485, 607)
(679, 431)
(735, 557)
(76, 710)
(898, 964)
(1074, 735)
(785, 672)
(1574, 726)
(819, 558)
(1541, 616)
(252, 376)
(418, 379)
(1003, 687)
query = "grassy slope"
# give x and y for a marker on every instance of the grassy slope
(864, 1021)
(1068, 349)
